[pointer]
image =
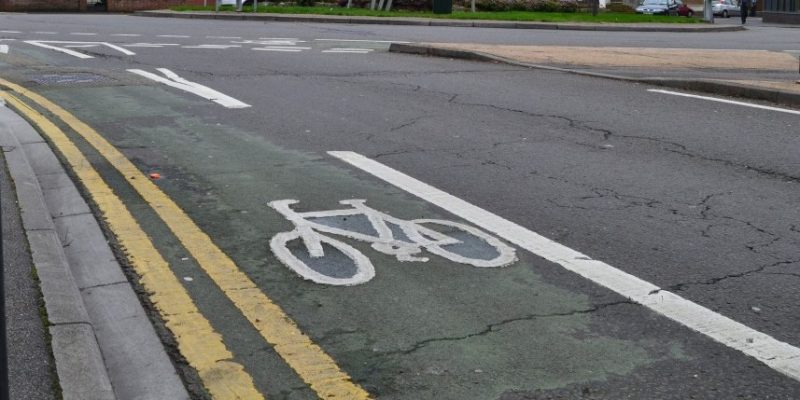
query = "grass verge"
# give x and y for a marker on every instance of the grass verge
(580, 16)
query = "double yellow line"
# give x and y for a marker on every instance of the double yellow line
(197, 340)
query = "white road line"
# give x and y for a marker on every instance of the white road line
(126, 34)
(9, 40)
(279, 48)
(360, 40)
(155, 45)
(738, 103)
(174, 36)
(80, 46)
(280, 38)
(43, 43)
(10, 32)
(212, 46)
(46, 33)
(83, 33)
(778, 355)
(223, 37)
(350, 51)
(3, 49)
(172, 79)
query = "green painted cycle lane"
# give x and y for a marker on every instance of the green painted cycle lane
(435, 329)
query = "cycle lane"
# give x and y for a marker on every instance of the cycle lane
(397, 335)
(417, 330)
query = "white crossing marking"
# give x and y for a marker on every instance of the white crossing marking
(279, 48)
(83, 33)
(154, 45)
(212, 46)
(44, 44)
(10, 32)
(360, 40)
(3, 49)
(174, 36)
(348, 50)
(126, 34)
(726, 101)
(778, 355)
(192, 87)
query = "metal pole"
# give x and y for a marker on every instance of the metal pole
(4, 391)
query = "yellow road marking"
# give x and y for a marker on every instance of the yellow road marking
(308, 360)
(197, 341)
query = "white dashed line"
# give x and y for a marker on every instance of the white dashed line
(212, 46)
(46, 33)
(223, 37)
(778, 355)
(7, 40)
(360, 40)
(286, 49)
(348, 50)
(153, 45)
(83, 33)
(174, 36)
(126, 34)
(738, 103)
(280, 38)
(10, 32)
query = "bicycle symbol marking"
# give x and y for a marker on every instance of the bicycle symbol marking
(403, 239)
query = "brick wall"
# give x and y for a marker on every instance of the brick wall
(42, 5)
(80, 5)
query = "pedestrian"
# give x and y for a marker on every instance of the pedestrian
(744, 9)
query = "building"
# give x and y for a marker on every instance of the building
(781, 11)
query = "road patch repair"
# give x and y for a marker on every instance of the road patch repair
(705, 70)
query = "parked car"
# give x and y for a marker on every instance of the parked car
(684, 10)
(666, 7)
(725, 8)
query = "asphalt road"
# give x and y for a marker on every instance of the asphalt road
(697, 197)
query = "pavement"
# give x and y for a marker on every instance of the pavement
(102, 341)
(755, 74)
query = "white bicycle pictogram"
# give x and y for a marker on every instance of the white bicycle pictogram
(403, 239)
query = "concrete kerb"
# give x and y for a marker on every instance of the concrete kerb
(701, 85)
(334, 19)
(104, 344)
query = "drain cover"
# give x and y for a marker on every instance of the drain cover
(69, 79)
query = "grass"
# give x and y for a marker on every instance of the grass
(580, 16)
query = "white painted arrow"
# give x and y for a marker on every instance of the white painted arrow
(172, 79)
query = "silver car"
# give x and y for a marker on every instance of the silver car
(725, 8)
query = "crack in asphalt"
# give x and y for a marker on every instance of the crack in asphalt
(491, 328)
(713, 281)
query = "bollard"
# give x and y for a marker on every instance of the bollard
(708, 11)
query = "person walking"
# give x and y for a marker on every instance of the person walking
(744, 9)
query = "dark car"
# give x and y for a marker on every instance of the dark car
(666, 7)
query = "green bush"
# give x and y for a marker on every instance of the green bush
(306, 3)
(620, 8)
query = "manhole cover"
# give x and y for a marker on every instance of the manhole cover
(69, 79)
